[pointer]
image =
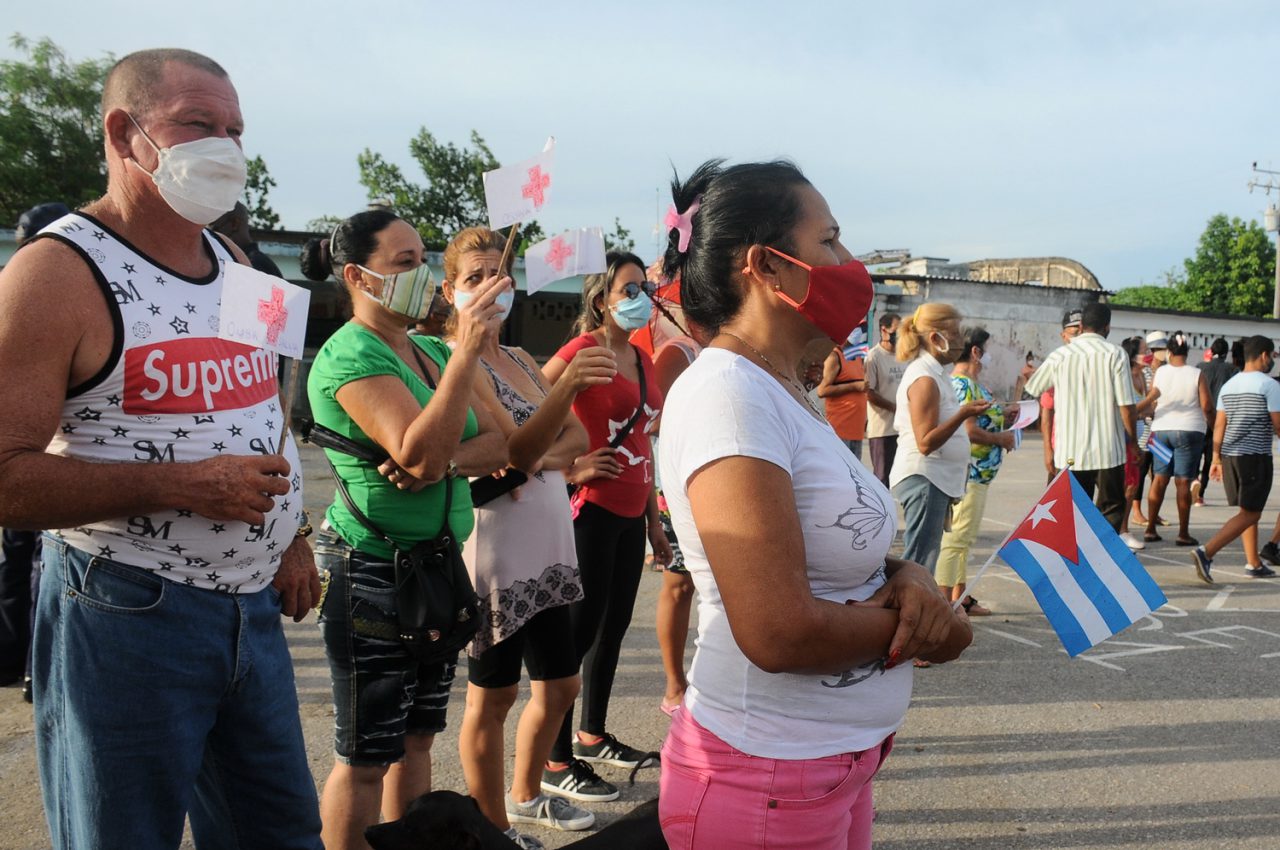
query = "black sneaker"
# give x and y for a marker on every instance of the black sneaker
(609, 750)
(1203, 564)
(1271, 552)
(1260, 571)
(578, 782)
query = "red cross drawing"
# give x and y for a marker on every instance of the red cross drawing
(558, 253)
(273, 314)
(536, 187)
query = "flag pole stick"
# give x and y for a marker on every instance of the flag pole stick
(955, 606)
(511, 241)
(290, 393)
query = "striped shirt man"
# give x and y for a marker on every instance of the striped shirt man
(1091, 382)
(1248, 399)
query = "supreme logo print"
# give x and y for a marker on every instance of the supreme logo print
(196, 375)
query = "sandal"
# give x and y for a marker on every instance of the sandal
(1186, 541)
(973, 608)
(1151, 537)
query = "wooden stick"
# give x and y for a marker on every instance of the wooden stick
(287, 401)
(506, 252)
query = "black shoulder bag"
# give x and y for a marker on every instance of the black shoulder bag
(437, 609)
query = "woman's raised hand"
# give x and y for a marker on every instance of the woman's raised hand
(481, 318)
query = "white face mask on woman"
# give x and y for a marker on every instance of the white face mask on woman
(503, 299)
(985, 360)
(200, 180)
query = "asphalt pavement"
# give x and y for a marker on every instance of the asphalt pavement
(1164, 736)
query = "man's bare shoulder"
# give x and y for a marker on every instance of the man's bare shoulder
(46, 271)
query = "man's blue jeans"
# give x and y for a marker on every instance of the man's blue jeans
(154, 700)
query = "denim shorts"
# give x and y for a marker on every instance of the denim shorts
(380, 692)
(1187, 447)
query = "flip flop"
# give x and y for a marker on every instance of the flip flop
(1152, 537)
(1186, 541)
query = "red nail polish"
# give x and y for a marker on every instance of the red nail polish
(895, 656)
(889, 665)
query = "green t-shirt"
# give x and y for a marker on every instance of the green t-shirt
(352, 353)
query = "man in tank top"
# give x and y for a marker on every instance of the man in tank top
(163, 686)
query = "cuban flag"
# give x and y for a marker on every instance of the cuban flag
(1087, 582)
(856, 347)
(1160, 451)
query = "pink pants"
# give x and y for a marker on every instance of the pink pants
(712, 795)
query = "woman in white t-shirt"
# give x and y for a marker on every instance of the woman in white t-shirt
(1179, 424)
(932, 464)
(799, 680)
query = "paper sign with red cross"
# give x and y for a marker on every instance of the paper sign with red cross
(263, 311)
(517, 193)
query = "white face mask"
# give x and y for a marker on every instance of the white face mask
(200, 180)
(503, 300)
(985, 360)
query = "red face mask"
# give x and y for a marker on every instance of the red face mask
(838, 298)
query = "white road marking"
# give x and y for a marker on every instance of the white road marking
(1220, 599)
(1012, 637)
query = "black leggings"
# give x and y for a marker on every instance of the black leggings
(610, 560)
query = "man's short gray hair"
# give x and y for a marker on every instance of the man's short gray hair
(132, 82)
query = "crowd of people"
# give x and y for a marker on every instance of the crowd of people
(162, 683)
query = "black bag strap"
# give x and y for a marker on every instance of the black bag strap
(346, 494)
(368, 523)
(417, 355)
(631, 424)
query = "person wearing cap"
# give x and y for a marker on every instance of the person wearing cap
(1094, 406)
(1152, 354)
(1070, 330)
(21, 549)
(1181, 413)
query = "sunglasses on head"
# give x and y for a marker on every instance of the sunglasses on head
(648, 287)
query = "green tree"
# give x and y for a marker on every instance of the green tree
(452, 197)
(50, 128)
(1167, 294)
(620, 239)
(1233, 270)
(256, 187)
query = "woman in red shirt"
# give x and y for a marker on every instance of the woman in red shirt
(616, 510)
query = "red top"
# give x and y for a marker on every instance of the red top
(848, 413)
(604, 410)
(1046, 403)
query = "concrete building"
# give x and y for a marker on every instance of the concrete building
(1019, 301)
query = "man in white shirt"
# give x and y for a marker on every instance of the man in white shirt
(884, 373)
(1094, 405)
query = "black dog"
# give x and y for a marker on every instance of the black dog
(446, 820)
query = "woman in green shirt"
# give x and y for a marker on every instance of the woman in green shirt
(374, 384)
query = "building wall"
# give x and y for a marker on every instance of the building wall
(1026, 320)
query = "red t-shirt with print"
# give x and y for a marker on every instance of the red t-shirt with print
(604, 410)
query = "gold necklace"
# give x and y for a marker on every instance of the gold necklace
(804, 396)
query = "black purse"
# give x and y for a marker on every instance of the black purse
(437, 609)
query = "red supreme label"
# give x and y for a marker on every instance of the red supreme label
(196, 375)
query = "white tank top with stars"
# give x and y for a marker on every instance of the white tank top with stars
(171, 391)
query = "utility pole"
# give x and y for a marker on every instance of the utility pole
(1271, 223)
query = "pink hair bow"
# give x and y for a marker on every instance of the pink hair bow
(683, 223)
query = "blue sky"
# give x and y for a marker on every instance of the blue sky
(1105, 132)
